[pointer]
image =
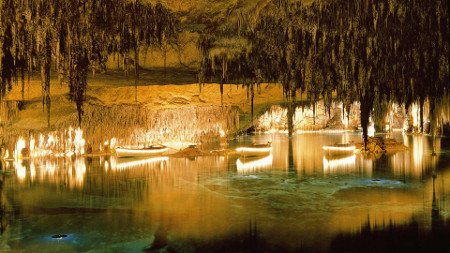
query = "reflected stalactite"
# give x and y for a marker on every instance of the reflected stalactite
(416, 162)
(291, 164)
(64, 171)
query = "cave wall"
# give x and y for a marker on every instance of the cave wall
(307, 119)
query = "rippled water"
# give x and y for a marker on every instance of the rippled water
(292, 200)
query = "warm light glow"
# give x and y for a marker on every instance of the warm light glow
(7, 165)
(415, 114)
(79, 142)
(331, 165)
(18, 149)
(344, 118)
(418, 150)
(21, 171)
(337, 148)
(122, 152)
(32, 145)
(273, 120)
(6, 155)
(371, 130)
(32, 171)
(112, 143)
(177, 145)
(106, 165)
(80, 171)
(59, 144)
(252, 166)
(115, 165)
(249, 150)
(48, 169)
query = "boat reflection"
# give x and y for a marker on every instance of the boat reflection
(308, 153)
(331, 165)
(246, 165)
(122, 164)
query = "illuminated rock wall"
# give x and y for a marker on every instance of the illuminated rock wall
(442, 113)
(8, 110)
(139, 125)
(304, 119)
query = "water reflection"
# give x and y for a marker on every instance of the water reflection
(419, 160)
(296, 196)
(429, 234)
(21, 171)
(340, 164)
(121, 164)
(64, 171)
(251, 165)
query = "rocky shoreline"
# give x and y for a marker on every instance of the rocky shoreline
(379, 145)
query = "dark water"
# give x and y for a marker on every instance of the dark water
(295, 200)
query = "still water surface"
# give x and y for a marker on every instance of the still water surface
(293, 200)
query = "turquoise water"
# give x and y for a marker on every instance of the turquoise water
(294, 199)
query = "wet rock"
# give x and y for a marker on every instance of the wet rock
(25, 152)
(59, 236)
(446, 129)
(392, 146)
(336, 120)
(426, 127)
(160, 242)
(379, 145)
(191, 151)
(89, 149)
(222, 152)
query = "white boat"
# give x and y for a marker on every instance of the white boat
(341, 149)
(133, 152)
(255, 150)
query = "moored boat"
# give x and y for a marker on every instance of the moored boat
(255, 149)
(153, 150)
(340, 149)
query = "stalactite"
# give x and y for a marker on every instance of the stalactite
(45, 73)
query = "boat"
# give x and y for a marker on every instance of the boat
(255, 149)
(153, 150)
(341, 149)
